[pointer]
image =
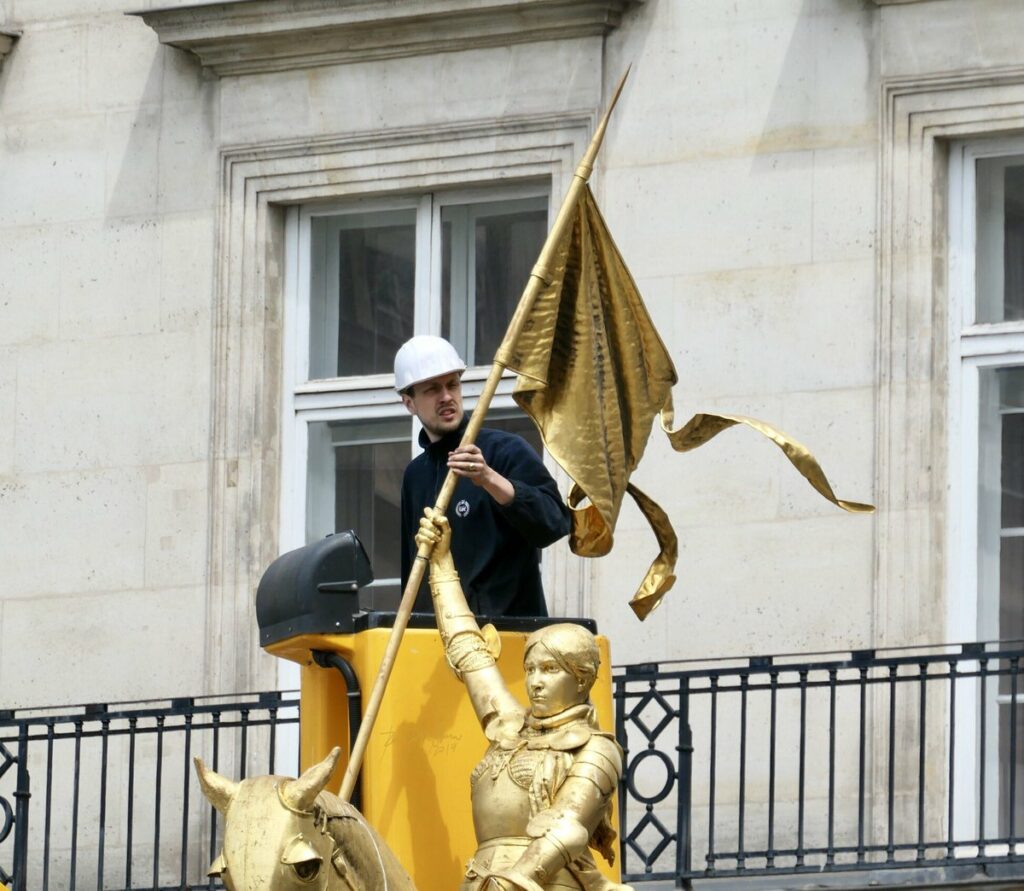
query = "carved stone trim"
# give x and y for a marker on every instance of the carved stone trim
(269, 35)
(920, 116)
(257, 184)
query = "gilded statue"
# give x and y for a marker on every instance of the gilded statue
(282, 833)
(542, 794)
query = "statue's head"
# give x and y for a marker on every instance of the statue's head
(561, 663)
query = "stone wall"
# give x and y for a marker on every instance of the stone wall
(744, 177)
(109, 172)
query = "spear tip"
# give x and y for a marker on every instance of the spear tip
(587, 164)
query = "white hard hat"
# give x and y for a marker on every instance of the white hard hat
(423, 357)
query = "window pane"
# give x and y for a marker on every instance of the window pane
(1006, 753)
(1001, 548)
(488, 251)
(362, 276)
(1001, 494)
(354, 481)
(1000, 239)
(515, 421)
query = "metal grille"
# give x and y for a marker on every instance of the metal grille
(102, 796)
(865, 762)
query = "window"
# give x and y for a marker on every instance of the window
(364, 276)
(987, 397)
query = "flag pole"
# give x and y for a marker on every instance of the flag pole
(540, 276)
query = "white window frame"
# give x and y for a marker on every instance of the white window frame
(306, 401)
(972, 347)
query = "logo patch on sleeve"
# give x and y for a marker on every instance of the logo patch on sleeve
(462, 508)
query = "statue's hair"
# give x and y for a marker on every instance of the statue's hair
(572, 647)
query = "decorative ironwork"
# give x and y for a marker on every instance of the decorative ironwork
(771, 766)
(6, 811)
(861, 762)
(125, 770)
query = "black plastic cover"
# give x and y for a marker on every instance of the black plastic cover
(526, 624)
(313, 590)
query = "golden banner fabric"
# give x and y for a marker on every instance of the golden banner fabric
(593, 373)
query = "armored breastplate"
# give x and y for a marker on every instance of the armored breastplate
(520, 769)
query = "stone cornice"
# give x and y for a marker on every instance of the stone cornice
(249, 36)
(7, 39)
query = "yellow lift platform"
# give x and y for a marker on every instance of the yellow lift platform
(414, 785)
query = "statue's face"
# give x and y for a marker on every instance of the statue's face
(550, 687)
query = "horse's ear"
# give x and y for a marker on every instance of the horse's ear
(301, 793)
(220, 791)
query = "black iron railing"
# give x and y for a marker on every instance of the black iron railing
(98, 796)
(766, 766)
(863, 762)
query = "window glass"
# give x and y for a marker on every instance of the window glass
(1001, 541)
(378, 273)
(1000, 239)
(362, 282)
(354, 481)
(512, 420)
(1001, 494)
(487, 252)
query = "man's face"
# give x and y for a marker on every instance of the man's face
(437, 403)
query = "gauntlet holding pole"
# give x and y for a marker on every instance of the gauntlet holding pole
(539, 277)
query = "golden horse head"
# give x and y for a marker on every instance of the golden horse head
(282, 834)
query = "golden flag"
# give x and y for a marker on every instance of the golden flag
(593, 373)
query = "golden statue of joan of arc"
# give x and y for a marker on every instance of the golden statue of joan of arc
(542, 793)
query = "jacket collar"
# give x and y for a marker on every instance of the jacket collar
(446, 443)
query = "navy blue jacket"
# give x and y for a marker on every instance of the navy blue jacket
(495, 547)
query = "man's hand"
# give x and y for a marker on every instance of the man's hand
(469, 462)
(435, 531)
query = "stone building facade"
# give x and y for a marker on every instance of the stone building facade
(819, 200)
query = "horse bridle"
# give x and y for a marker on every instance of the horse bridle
(320, 819)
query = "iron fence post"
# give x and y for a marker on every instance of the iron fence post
(620, 735)
(684, 851)
(22, 793)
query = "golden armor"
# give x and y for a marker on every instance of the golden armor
(542, 794)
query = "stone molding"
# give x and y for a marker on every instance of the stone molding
(258, 184)
(251, 36)
(920, 115)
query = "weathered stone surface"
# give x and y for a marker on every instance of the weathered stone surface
(260, 36)
(426, 91)
(8, 391)
(122, 644)
(937, 38)
(71, 533)
(713, 214)
(176, 536)
(118, 402)
(713, 80)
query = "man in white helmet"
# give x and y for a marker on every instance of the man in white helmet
(505, 506)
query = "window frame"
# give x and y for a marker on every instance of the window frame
(972, 347)
(306, 401)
